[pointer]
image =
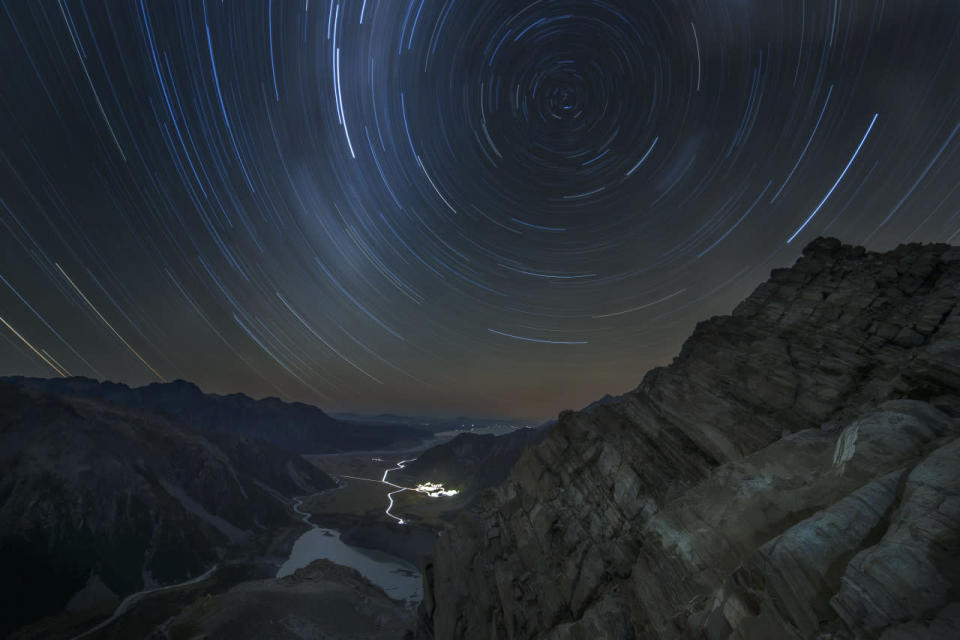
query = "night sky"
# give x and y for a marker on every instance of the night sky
(445, 206)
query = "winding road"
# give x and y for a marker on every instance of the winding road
(390, 495)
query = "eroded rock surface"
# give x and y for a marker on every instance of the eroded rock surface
(794, 473)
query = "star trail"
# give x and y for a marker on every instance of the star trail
(445, 206)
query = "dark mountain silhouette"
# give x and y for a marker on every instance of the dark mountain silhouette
(295, 426)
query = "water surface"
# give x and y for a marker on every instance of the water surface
(400, 579)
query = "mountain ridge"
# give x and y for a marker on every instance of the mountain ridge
(295, 426)
(818, 417)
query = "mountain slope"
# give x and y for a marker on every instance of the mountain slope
(295, 426)
(99, 496)
(792, 473)
(322, 600)
(470, 462)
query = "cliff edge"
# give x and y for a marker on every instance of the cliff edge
(794, 473)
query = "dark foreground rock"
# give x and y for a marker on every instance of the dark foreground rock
(794, 473)
(322, 600)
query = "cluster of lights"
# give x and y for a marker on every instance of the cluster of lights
(435, 490)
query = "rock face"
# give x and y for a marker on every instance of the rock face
(99, 501)
(794, 473)
(322, 600)
(295, 426)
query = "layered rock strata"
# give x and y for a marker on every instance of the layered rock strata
(794, 473)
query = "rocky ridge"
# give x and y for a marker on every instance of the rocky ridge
(792, 474)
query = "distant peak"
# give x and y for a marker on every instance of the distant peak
(822, 245)
(178, 384)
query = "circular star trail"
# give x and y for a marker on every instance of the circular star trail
(445, 205)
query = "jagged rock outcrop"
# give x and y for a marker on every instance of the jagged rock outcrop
(794, 473)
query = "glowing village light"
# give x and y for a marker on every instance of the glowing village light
(435, 490)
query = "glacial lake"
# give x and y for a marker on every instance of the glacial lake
(400, 579)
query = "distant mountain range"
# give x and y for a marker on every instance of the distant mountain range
(432, 423)
(295, 426)
(99, 500)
